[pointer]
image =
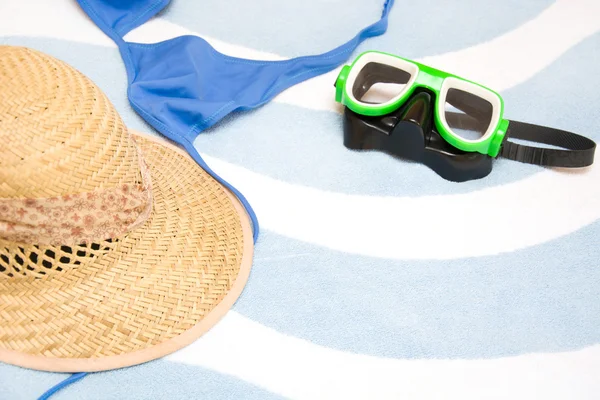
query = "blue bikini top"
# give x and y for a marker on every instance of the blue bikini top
(182, 86)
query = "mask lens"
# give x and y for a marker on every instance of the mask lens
(468, 115)
(378, 83)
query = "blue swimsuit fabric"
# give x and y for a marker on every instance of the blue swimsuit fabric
(183, 86)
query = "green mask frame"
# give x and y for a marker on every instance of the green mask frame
(465, 114)
(483, 105)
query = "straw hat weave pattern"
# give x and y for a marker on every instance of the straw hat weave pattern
(99, 285)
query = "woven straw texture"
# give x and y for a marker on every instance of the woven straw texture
(112, 298)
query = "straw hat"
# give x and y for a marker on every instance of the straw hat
(115, 248)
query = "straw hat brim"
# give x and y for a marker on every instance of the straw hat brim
(143, 296)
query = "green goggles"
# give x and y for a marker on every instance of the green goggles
(467, 115)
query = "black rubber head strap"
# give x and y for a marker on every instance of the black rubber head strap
(579, 153)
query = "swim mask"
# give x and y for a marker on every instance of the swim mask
(453, 125)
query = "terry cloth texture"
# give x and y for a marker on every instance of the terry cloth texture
(372, 276)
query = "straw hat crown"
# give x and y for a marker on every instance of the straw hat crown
(71, 173)
(60, 135)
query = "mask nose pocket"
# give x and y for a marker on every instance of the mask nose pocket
(408, 133)
(401, 133)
